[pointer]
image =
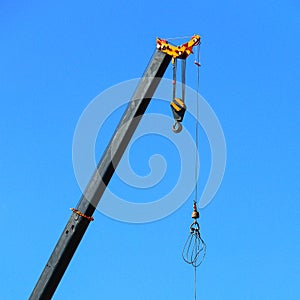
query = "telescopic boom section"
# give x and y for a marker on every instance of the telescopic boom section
(77, 225)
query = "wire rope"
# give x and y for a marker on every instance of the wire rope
(194, 249)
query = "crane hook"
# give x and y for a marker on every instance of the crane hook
(176, 127)
(178, 109)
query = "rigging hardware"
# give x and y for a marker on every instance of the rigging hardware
(178, 52)
(194, 249)
(178, 106)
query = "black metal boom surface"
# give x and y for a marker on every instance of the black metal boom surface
(77, 225)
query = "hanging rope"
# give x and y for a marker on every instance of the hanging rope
(195, 283)
(174, 65)
(183, 70)
(197, 63)
(177, 105)
(194, 249)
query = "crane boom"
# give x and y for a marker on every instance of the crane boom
(82, 215)
(78, 224)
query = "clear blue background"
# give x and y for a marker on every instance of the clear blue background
(55, 57)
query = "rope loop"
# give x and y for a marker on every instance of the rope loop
(194, 249)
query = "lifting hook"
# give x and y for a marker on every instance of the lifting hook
(177, 127)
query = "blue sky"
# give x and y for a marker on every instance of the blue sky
(56, 57)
